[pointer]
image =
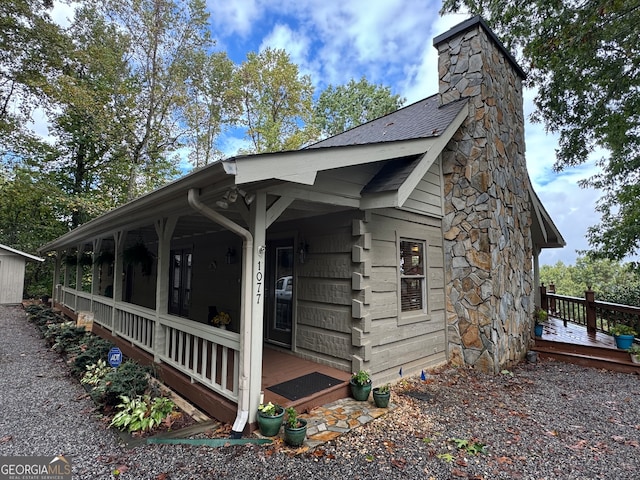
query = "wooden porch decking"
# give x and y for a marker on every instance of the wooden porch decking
(573, 344)
(279, 366)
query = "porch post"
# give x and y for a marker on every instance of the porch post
(95, 268)
(164, 230)
(79, 255)
(118, 239)
(56, 277)
(257, 226)
(590, 300)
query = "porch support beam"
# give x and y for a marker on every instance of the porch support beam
(56, 275)
(95, 268)
(258, 225)
(118, 240)
(277, 209)
(164, 229)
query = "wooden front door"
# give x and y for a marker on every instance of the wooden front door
(278, 313)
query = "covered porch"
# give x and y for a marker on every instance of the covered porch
(201, 366)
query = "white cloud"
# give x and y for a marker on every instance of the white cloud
(234, 17)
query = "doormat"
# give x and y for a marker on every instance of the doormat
(304, 386)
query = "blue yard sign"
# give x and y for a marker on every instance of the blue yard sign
(115, 357)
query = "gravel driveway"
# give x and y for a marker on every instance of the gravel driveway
(540, 421)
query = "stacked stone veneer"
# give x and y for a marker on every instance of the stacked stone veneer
(487, 220)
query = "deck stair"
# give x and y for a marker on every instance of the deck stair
(588, 356)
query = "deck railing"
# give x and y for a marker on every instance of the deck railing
(595, 315)
(206, 354)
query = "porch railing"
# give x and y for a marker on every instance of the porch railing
(595, 315)
(206, 354)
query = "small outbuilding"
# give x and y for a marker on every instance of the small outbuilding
(12, 265)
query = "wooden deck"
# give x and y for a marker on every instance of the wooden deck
(574, 345)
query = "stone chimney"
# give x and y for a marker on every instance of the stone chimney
(488, 247)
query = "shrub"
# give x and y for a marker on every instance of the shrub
(90, 352)
(63, 337)
(42, 316)
(129, 379)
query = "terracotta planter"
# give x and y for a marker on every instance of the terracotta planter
(360, 392)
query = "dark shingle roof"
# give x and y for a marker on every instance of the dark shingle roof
(422, 119)
(392, 175)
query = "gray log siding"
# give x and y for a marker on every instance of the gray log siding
(414, 346)
(323, 292)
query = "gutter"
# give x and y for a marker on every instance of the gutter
(245, 302)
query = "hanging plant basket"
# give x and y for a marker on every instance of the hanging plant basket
(139, 254)
(105, 257)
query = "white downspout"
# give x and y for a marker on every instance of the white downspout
(245, 302)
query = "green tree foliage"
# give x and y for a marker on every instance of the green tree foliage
(164, 37)
(346, 106)
(211, 105)
(89, 114)
(276, 101)
(611, 281)
(29, 45)
(584, 59)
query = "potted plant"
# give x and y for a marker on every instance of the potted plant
(381, 395)
(634, 351)
(540, 316)
(221, 320)
(360, 385)
(295, 429)
(270, 418)
(623, 335)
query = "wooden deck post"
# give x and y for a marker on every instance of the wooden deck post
(544, 300)
(590, 308)
(552, 301)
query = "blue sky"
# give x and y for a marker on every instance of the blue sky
(390, 42)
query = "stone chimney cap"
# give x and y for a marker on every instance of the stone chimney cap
(468, 25)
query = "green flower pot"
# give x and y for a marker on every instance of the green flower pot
(294, 437)
(270, 424)
(381, 399)
(360, 392)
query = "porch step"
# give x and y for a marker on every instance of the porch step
(588, 356)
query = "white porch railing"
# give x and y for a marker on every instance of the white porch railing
(206, 354)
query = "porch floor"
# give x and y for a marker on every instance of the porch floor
(574, 344)
(280, 366)
(555, 331)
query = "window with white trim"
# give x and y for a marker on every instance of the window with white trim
(412, 276)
